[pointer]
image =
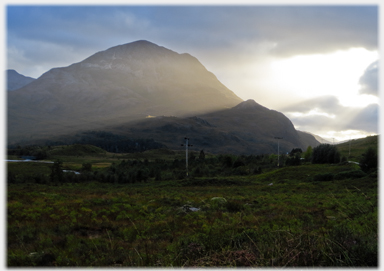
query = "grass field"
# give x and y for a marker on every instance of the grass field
(290, 216)
(354, 148)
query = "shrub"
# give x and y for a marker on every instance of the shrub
(350, 174)
(86, 167)
(238, 163)
(293, 161)
(240, 171)
(233, 206)
(227, 161)
(323, 177)
(368, 160)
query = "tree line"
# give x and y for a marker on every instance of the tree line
(137, 170)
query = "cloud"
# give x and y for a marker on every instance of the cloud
(320, 113)
(366, 119)
(322, 29)
(323, 114)
(284, 31)
(54, 36)
(327, 104)
(234, 31)
(308, 122)
(369, 80)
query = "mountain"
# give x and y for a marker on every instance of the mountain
(247, 128)
(120, 84)
(16, 80)
(318, 138)
(144, 91)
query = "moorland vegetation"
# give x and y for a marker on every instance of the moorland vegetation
(89, 207)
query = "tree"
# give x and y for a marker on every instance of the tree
(192, 156)
(295, 151)
(57, 171)
(369, 160)
(308, 154)
(293, 160)
(325, 154)
(202, 155)
(227, 161)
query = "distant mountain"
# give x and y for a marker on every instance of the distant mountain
(16, 80)
(122, 83)
(319, 138)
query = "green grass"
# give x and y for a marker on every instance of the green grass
(356, 147)
(76, 150)
(294, 222)
(312, 215)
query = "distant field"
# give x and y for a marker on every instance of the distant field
(279, 218)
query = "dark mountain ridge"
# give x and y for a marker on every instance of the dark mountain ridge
(247, 128)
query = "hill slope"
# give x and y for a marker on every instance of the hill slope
(353, 149)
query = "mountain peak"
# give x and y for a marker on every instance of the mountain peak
(142, 43)
(140, 50)
(139, 44)
(248, 104)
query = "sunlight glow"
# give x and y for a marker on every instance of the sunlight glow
(345, 135)
(311, 113)
(334, 74)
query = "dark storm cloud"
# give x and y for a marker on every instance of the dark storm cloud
(369, 80)
(288, 30)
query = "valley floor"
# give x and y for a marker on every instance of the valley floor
(279, 218)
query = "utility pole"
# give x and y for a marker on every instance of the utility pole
(349, 154)
(186, 153)
(278, 150)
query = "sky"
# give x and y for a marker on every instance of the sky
(317, 64)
